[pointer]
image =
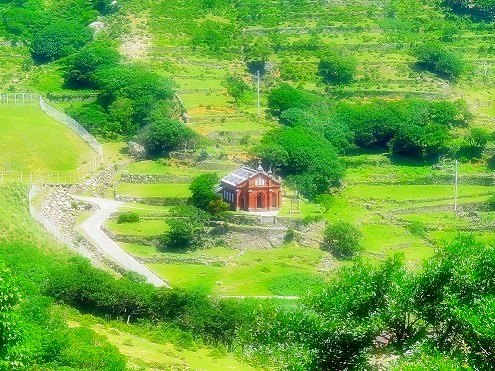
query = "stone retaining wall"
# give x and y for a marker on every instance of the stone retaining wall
(154, 179)
(156, 201)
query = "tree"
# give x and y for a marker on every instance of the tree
(285, 96)
(257, 53)
(435, 57)
(82, 65)
(306, 158)
(342, 240)
(188, 229)
(164, 135)
(59, 39)
(337, 67)
(236, 87)
(203, 195)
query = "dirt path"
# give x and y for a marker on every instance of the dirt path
(92, 228)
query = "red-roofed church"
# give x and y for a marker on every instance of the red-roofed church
(251, 190)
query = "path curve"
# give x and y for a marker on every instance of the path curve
(92, 228)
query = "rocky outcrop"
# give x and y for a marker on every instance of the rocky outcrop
(98, 184)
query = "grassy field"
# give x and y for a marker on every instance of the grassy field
(237, 273)
(143, 228)
(154, 190)
(33, 141)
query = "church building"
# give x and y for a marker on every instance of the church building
(251, 190)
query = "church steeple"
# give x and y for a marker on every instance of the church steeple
(260, 168)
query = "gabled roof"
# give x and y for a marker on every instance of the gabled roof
(239, 176)
(242, 174)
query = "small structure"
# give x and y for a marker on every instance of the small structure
(251, 190)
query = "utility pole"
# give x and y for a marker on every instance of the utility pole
(456, 187)
(258, 92)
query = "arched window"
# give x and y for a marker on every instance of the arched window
(260, 201)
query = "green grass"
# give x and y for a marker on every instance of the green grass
(33, 141)
(380, 240)
(154, 190)
(448, 236)
(142, 228)
(413, 192)
(438, 220)
(249, 274)
(155, 168)
(143, 209)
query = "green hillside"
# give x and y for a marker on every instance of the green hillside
(369, 110)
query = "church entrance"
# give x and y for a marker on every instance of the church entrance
(260, 201)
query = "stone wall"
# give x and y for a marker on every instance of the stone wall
(156, 201)
(154, 179)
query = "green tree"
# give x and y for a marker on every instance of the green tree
(59, 39)
(342, 240)
(337, 67)
(285, 97)
(188, 229)
(435, 57)
(236, 87)
(306, 158)
(257, 54)
(82, 65)
(164, 135)
(203, 195)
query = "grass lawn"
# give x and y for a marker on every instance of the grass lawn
(440, 220)
(155, 168)
(379, 241)
(204, 100)
(143, 228)
(143, 209)
(154, 190)
(249, 274)
(33, 141)
(142, 352)
(448, 236)
(413, 192)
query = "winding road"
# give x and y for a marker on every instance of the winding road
(92, 228)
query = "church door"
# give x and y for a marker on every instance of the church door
(260, 201)
(274, 200)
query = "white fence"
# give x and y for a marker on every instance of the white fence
(21, 98)
(53, 177)
(72, 124)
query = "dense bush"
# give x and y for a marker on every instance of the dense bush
(128, 217)
(307, 159)
(58, 40)
(82, 65)
(435, 57)
(337, 67)
(188, 229)
(203, 194)
(342, 240)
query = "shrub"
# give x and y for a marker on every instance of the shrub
(435, 57)
(417, 228)
(128, 217)
(342, 240)
(337, 67)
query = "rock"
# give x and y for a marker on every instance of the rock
(96, 27)
(136, 150)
